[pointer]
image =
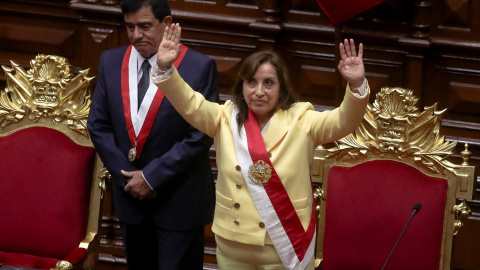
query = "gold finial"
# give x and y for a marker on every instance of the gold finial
(63, 265)
(466, 155)
(105, 182)
(319, 195)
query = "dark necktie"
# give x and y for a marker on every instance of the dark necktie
(144, 82)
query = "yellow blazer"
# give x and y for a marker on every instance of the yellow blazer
(291, 137)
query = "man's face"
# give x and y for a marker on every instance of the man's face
(145, 31)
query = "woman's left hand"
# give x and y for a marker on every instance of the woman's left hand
(351, 65)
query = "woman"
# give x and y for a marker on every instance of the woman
(264, 140)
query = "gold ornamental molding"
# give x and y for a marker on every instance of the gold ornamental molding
(47, 91)
(105, 181)
(393, 126)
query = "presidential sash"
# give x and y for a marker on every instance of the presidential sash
(294, 245)
(139, 121)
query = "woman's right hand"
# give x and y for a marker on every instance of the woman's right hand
(170, 47)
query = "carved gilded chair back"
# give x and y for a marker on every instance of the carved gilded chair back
(369, 181)
(51, 173)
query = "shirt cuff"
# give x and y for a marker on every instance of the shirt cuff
(361, 91)
(158, 75)
(146, 181)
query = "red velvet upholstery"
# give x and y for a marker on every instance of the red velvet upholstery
(45, 181)
(27, 261)
(367, 208)
(36, 262)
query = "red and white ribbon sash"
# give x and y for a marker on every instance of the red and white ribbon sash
(140, 121)
(294, 246)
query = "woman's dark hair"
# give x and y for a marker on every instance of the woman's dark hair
(160, 8)
(286, 97)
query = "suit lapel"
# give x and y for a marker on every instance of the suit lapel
(276, 130)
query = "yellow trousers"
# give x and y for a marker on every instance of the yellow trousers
(234, 256)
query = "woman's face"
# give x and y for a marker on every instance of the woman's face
(262, 91)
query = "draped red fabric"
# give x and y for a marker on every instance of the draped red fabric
(342, 10)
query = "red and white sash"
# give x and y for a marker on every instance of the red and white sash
(294, 246)
(140, 121)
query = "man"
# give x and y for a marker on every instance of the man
(162, 184)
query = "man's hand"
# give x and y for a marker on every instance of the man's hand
(170, 47)
(137, 186)
(351, 66)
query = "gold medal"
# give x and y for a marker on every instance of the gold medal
(259, 173)
(132, 154)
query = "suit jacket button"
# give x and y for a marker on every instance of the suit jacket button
(261, 225)
(239, 186)
(236, 205)
(238, 168)
(236, 222)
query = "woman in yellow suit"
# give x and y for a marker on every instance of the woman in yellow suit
(264, 140)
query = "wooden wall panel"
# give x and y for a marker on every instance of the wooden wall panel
(428, 46)
(30, 38)
(29, 28)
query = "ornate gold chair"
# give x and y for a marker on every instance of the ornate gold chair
(372, 179)
(49, 170)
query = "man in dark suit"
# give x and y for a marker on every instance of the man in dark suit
(162, 184)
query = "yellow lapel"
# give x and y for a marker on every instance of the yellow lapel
(276, 130)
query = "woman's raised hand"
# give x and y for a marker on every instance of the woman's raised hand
(170, 47)
(351, 65)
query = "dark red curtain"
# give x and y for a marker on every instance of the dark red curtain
(341, 10)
